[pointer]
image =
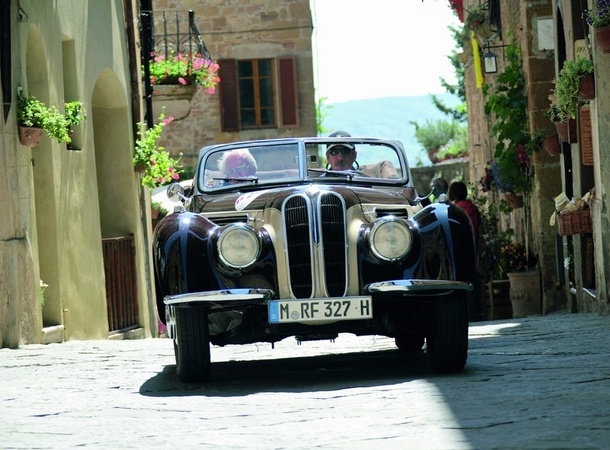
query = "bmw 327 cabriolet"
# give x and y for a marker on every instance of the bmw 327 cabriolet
(311, 237)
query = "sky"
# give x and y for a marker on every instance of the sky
(381, 48)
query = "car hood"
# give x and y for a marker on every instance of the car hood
(275, 197)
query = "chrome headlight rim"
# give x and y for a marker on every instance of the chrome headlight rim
(239, 246)
(390, 249)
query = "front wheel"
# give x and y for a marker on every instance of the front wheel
(192, 345)
(447, 342)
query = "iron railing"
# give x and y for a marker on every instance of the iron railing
(169, 34)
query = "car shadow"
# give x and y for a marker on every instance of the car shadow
(298, 374)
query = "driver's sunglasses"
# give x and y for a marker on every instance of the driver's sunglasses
(238, 170)
(343, 150)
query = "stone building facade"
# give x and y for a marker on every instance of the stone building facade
(234, 30)
(78, 220)
(64, 206)
(549, 33)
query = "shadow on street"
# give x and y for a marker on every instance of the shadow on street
(299, 374)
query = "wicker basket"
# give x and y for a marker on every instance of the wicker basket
(576, 222)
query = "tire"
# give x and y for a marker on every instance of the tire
(447, 342)
(192, 345)
(409, 343)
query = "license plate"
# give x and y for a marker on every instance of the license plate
(320, 310)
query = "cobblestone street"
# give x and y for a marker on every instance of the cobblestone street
(540, 382)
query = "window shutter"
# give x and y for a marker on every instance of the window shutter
(229, 95)
(289, 99)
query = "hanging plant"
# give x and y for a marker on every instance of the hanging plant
(476, 17)
(157, 165)
(184, 69)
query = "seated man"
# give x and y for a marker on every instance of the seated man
(341, 156)
(238, 163)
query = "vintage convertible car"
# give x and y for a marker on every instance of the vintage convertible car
(290, 248)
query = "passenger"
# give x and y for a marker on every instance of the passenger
(238, 164)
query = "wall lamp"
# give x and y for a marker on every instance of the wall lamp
(490, 60)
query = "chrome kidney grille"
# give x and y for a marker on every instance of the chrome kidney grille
(316, 245)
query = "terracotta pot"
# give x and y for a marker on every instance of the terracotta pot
(552, 145)
(29, 136)
(602, 39)
(587, 87)
(567, 131)
(515, 201)
(525, 293)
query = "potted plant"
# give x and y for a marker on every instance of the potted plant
(497, 285)
(600, 21)
(32, 113)
(156, 164)
(433, 135)
(155, 208)
(525, 291)
(74, 113)
(568, 85)
(457, 147)
(184, 70)
(475, 17)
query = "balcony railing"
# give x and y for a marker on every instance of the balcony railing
(174, 31)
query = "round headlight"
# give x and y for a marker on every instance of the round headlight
(238, 246)
(390, 239)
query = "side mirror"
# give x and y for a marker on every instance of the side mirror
(175, 192)
(439, 187)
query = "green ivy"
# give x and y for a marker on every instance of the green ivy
(507, 103)
(506, 106)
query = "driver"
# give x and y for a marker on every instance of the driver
(341, 156)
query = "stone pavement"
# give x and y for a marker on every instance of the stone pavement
(539, 382)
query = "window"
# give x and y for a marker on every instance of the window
(257, 93)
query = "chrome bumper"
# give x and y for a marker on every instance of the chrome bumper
(417, 287)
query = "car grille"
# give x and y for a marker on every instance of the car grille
(315, 234)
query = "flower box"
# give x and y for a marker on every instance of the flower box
(575, 222)
(602, 39)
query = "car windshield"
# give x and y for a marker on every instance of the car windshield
(288, 162)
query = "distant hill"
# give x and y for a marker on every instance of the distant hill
(388, 117)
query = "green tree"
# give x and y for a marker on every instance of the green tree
(459, 112)
(321, 114)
